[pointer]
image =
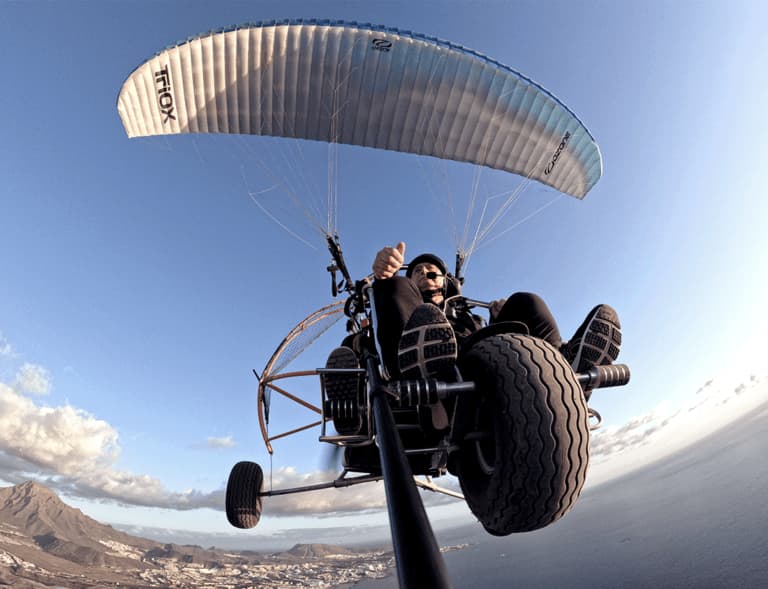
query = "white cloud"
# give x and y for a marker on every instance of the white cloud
(225, 442)
(63, 439)
(33, 379)
(76, 452)
(5, 347)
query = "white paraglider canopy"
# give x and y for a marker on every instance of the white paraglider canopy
(362, 85)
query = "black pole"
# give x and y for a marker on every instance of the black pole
(338, 257)
(419, 562)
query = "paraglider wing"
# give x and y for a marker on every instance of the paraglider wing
(363, 85)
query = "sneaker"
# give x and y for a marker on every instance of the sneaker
(596, 341)
(345, 388)
(428, 345)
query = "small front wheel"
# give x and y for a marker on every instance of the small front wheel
(525, 462)
(243, 500)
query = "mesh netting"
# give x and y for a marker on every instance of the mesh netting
(303, 335)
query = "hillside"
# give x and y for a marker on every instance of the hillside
(44, 543)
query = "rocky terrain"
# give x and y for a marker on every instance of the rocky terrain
(46, 543)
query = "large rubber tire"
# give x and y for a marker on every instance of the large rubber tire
(243, 500)
(528, 471)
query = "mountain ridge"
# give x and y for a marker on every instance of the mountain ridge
(44, 541)
(40, 513)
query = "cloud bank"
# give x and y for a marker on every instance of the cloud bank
(669, 428)
(73, 451)
(327, 502)
(77, 453)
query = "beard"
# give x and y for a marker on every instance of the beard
(435, 296)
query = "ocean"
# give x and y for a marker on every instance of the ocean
(696, 519)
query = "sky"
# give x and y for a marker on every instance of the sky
(141, 285)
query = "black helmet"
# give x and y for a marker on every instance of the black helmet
(426, 259)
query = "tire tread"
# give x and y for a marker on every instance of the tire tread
(243, 498)
(542, 432)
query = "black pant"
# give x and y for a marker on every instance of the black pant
(531, 309)
(397, 297)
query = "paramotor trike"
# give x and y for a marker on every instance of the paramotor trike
(515, 425)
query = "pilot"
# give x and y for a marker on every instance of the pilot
(418, 340)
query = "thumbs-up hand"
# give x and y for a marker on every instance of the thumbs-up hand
(388, 261)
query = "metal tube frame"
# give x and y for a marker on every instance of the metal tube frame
(417, 554)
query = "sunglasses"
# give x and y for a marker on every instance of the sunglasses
(430, 275)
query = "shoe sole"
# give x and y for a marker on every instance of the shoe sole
(600, 343)
(344, 387)
(427, 345)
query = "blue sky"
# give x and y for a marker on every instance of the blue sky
(140, 284)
